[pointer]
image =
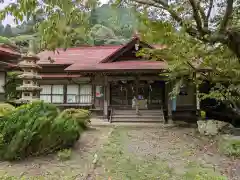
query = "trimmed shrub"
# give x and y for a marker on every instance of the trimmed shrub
(81, 116)
(5, 108)
(35, 129)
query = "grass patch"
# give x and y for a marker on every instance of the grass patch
(120, 164)
(64, 154)
(197, 172)
(230, 146)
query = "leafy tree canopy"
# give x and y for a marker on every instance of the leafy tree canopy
(211, 21)
(66, 23)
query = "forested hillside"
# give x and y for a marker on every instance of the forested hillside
(106, 25)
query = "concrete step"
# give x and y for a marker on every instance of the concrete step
(143, 120)
(136, 116)
(142, 112)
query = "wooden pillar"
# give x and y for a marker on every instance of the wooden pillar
(65, 93)
(169, 101)
(105, 101)
(165, 105)
(137, 86)
(93, 92)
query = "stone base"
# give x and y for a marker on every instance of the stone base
(25, 101)
(213, 127)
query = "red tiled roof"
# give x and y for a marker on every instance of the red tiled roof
(8, 65)
(60, 75)
(8, 51)
(121, 65)
(95, 58)
(80, 55)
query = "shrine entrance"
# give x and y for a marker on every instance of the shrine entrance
(150, 94)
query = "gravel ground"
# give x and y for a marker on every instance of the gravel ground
(78, 167)
(182, 148)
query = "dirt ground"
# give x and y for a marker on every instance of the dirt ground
(132, 153)
(180, 147)
(50, 167)
(182, 150)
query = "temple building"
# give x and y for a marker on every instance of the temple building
(112, 81)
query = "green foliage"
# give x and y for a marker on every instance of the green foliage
(102, 35)
(186, 55)
(81, 116)
(12, 83)
(35, 129)
(122, 21)
(22, 41)
(64, 154)
(70, 25)
(230, 146)
(203, 114)
(5, 40)
(201, 175)
(6, 108)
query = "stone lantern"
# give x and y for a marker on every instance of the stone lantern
(30, 89)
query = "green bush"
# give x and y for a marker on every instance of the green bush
(35, 129)
(5, 108)
(230, 145)
(81, 116)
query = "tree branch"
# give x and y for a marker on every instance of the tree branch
(163, 5)
(203, 15)
(196, 15)
(227, 16)
(209, 9)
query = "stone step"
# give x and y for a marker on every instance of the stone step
(143, 120)
(137, 116)
(142, 112)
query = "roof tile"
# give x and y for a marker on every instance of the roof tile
(121, 65)
(80, 55)
(8, 51)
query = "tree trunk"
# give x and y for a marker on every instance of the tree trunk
(234, 41)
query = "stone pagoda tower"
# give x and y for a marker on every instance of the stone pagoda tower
(30, 89)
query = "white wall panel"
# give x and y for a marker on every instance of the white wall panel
(45, 98)
(46, 89)
(57, 89)
(85, 94)
(57, 99)
(85, 89)
(72, 89)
